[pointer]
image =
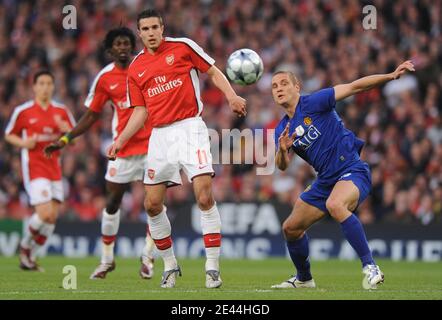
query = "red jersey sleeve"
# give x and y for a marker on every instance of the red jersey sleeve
(67, 116)
(201, 60)
(15, 124)
(97, 96)
(134, 95)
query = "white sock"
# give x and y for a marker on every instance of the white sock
(211, 227)
(148, 247)
(46, 230)
(35, 223)
(107, 252)
(109, 229)
(160, 231)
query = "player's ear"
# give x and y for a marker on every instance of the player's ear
(298, 86)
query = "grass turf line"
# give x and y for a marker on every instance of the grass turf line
(243, 280)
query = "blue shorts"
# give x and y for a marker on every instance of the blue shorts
(318, 193)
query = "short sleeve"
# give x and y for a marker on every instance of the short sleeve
(201, 60)
(321, 101)
(134, 95)
(97, 97)
(67, 116)
(15, 124)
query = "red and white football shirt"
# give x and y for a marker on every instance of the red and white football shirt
(110, 85)
(166, 82)
(31, 119)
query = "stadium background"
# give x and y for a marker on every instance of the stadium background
(323, 42)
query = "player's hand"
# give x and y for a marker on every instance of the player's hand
(30, 143)
(54, 146)
(113, 150)
(238, 105)
(402, 68)
(286, 141)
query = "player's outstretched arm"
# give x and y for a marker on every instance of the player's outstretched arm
(284, 143)
(15, 140)
(236, 103)
(86, 121)
(343, 91)
(135, 123)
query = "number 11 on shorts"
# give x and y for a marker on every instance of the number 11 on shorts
(202, 158)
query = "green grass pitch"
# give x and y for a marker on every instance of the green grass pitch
(243, 279)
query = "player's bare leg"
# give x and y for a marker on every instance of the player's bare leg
(160, 229)
(294, 228)
(211, 227)
(110, 222)
(41, 227)
(341, 202)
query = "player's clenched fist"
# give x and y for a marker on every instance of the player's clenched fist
(238, 105)
(286, 141)
(30, 143)
(113, 150)
(49, 149)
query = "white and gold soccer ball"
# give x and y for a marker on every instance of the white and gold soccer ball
(244, 67)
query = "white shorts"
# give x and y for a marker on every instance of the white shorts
(125, 170)
(43, 190)
(183, 145)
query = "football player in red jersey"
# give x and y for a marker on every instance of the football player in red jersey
(110, 86)
(163, 82)
(34, 125)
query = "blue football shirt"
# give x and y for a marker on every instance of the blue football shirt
(321, 138)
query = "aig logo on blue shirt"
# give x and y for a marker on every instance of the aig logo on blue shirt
(305, 141)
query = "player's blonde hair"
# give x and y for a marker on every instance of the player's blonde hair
(291, 75)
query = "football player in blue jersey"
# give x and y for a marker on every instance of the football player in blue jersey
(314, 131)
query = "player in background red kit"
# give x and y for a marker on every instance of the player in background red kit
(110, 86)
(34, 125)
(163, 84)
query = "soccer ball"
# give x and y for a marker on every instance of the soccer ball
(244, 67)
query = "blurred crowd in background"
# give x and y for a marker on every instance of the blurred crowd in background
(323, 42)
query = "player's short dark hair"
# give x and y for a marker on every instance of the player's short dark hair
(149, 13)
(40, 73)
(119, 32)
(291, 75)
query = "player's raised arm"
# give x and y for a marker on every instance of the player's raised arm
(343, 91)
(135, 123)
(236, 103)
(86, 121)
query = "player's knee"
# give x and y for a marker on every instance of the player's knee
(205, 200)
(334, 206)
(49, 217)
(153, 206)
(52, 220)
(291, 231)
(113, 204)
